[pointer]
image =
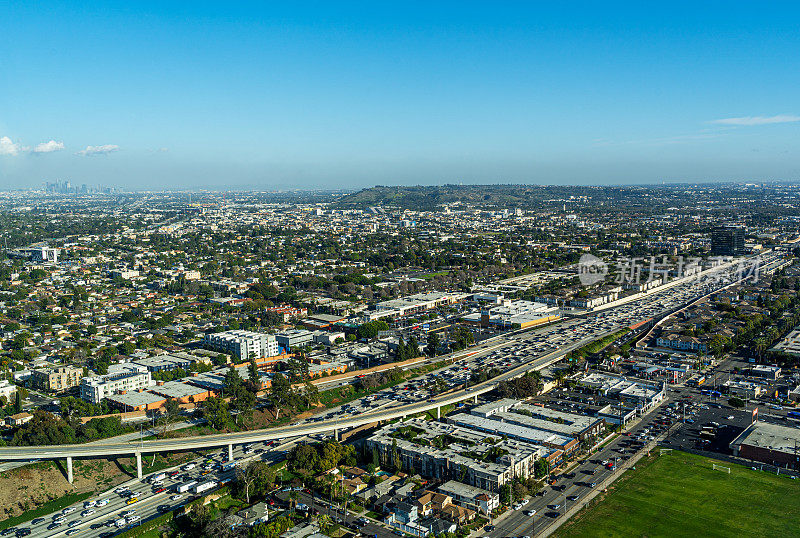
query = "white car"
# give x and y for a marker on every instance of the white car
(88, 512)
(101, 502)
(176, 497)
(524, 502)
(131, 518)
(188, 467)
(68, 510)
(88, 504)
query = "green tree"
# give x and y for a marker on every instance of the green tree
(433, 344)
(280, 392)
(540, 468)
(216, 412)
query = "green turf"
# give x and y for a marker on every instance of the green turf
(678, 494)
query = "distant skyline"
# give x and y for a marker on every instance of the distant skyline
(347, 95)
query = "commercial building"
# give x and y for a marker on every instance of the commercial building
(136, 401)
(420, 302)
(514, 314)
(727, 241)
(641, 396)
(128, 378)
(184, 393)
(57, 379)
(244, 344)
(769, 443)
(326, 368)
(328, 338)
(742, 389)
(294, 338)
(765, 372)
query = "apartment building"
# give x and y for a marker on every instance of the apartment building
(464, 455)
(128, 378)
(57, 379)
(7, 389)
(244, 344)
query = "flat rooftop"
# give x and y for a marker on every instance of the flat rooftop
(770, 436)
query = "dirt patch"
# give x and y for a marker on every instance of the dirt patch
(25, 488)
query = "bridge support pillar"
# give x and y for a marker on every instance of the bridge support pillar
(475, 399)
(69, 469)
(230, 452)
(439, 412)
(336, 434)
(138, 465)
(403, 418)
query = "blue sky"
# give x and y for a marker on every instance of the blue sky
(208, 95)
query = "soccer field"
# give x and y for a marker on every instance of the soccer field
(678, 494)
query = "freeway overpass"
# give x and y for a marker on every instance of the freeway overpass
(99, 449)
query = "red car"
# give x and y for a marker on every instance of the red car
(159, 490)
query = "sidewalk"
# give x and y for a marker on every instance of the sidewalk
(601, 487)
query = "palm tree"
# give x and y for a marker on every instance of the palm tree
(293, 496)
(324, 521)
(560, 375)
(536, 375)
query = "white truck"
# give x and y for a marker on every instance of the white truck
(120, 523)
(186, 486)
(158, 477)
(205, 486)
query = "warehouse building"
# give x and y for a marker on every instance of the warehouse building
(769, 443)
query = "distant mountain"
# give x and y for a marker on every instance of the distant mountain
(428, 197)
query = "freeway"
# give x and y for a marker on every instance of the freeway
(592, 328)
(236, 438)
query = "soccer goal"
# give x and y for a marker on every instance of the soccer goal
(664, 451)
(721, 468)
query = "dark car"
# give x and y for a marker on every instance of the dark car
(23, 532)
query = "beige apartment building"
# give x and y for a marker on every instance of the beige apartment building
(57, 379)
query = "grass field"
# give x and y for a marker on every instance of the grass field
(678, 494)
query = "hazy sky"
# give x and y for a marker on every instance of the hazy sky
(231, 94)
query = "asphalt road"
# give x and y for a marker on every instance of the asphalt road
(99, 523)
(553, 501)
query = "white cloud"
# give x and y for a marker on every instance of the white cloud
(99, 150)
(758, 120)
(8, 147)
(48, 147)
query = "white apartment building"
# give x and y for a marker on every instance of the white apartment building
(129, 378)
(244, 344)
(8, 390)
